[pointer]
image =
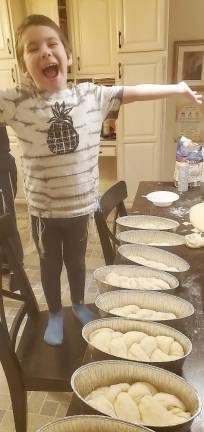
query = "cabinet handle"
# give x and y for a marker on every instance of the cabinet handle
(78, 63)
(120, 70)
(13, 75)
(119, 39)
(8, 45)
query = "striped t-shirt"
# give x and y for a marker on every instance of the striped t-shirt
(59, 136)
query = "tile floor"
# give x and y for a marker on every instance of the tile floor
(43, 407)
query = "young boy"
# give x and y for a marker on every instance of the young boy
(58, 126)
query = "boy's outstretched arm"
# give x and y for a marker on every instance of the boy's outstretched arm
(158, 91)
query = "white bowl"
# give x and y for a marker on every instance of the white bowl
(162, 198)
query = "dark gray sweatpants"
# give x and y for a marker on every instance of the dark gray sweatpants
(63, 241)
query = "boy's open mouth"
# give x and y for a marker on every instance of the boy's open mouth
(51, 70)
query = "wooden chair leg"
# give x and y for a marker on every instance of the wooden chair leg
(13, 373)
(19, 406)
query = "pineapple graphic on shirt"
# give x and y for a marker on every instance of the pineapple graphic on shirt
(62, 136)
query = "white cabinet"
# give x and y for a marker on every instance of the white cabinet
(93, 36)
(140, 127)
(8, 74)
(45, 7)
(6, 44)
(142, 25)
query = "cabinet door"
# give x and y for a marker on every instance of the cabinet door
(142, 25)
(45, 7)
(94, 33)
(8, 74)
(140, 127)
(6, 43)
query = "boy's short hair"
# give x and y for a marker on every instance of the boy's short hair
(37, 20)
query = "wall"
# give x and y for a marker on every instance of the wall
(186, 22)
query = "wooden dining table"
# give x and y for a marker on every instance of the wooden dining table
(192, 288)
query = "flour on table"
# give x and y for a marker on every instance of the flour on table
(178, 211)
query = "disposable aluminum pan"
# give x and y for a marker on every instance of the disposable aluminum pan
(146, 222)
(125, 325)
(133, 271)
(164, 260)
(107, 372)
(151, 238)
(91, 423)
(159, 302)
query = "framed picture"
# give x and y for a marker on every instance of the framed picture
(189, 63)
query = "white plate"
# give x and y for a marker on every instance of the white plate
(162, 198)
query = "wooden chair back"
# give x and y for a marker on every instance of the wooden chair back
(112, 201)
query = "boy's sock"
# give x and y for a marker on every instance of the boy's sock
(54, 331)
(83, 313)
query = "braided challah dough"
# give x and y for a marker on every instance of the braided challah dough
(150, 263)
(136, 345)
(143, 283)
(140, 402)
(134, 311)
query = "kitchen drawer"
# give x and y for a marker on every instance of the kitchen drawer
(107, 150)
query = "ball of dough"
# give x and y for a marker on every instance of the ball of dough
(194, 240)
(101, 403)
(112, 278)
(130, 309)
(164, 343)
(113, 391)
(180, 413)
(196, 215)
(153, 413)
(176, 349)
(101, 339)
(118, 347)
(117, 311)
(97, 392)
(148, 344)
(169, 401)
(136, 352)
(140, 389)
(133, 336)
(126, 408)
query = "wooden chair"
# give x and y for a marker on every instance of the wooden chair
(33, 365)
(111, 200)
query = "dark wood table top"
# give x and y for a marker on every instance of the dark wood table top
(192, 287)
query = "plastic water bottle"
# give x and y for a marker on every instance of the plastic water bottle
(182, 178)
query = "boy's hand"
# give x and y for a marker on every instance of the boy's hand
(190, 94)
